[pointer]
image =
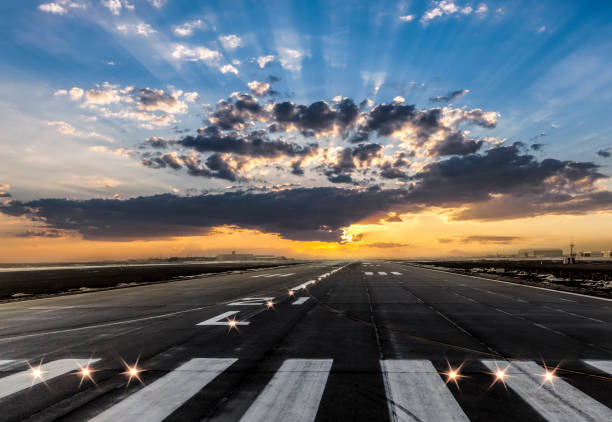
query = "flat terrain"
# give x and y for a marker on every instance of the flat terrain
(363, 341)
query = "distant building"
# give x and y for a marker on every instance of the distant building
(540, 253)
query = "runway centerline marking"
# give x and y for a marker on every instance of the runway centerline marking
(415, 391)
(158, 400)
(25, 379)
(368, 273)
(395, 273)
(222, 319)
(300, 300)
(293, 394)
(556, 401)
(382, 273)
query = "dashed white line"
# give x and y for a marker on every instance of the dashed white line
(158, 400)
(293, 394)
(26, 379)
(251, 301)
(382, 273)
(416, 392)
(300, 300)
(368, 273)
(395, 273)
(554, 401)
(4, 362)
(222, 319)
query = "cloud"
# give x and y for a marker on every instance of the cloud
(448, 8)
(450, 96)
(157, 99)
(605, 153)
(315, 119)
(299, 214)
(542, 29)
(387, 245)
(67, 129)
(191, 97)
(230, 42)
(42, 232)
(262, 61)
(60, 7)
(407, 18)
(186, 29)
(228, 68)
(259, 88)
(76, 93)
(291, 59)
(195, 54)
(498, 240)
(212, 139)
(116, 6)
(157, 3)
(4, 190)
(143, 29)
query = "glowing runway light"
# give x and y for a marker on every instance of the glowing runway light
(269, 304)
(37, 373)
(452, 375)
(549, 376)
(500, 375)
(232, 323)
(291, 292)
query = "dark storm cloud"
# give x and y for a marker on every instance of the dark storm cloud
(300, 214)
(238, 111)
(318, 117)
(157, 142)
(501, 183)
(220, 168)
(449, 97)
(456, 144)
(536, 147)
(256, 144)
(388, 118)
(158, 161)
(155, 99)
(388, 171)
(604, 153)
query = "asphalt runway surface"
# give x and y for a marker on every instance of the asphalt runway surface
(328, 341)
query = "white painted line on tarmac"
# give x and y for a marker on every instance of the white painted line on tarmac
(602, 365)
(395, 273)
(554, 401)
(287, 275)
(300, 300)
(158, 400)
(222, 319)
(251, 301)
(293, 394)
(26, 379)
(4, 362)
(416, 392)
(524, 285)
(369, 273)
(382, 273)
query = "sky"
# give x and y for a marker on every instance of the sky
(319, 129)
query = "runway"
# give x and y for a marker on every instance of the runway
(326, 341)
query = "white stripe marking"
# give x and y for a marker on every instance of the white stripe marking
(303, 285)
(395, 273)
(369, 273)
(5, 362)
(300, 301)
(602, 365)
(382, 273)
(224, 316)
(157, 401)
(25, 379)
(558, 401)
(287, 275)
(293, 394)
(415, 391)
(251, 301)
